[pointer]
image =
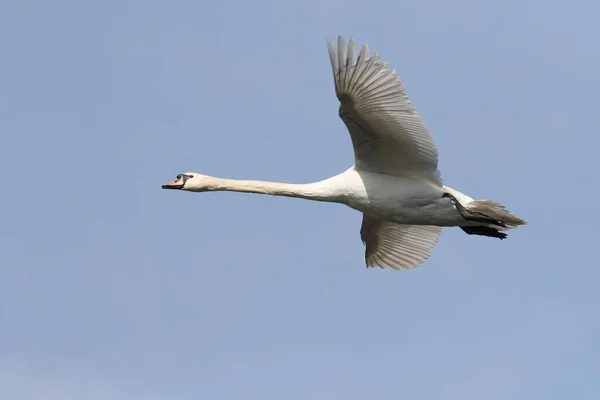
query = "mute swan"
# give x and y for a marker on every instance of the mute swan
(394, 182)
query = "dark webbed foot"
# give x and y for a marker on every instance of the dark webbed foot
(484, 231)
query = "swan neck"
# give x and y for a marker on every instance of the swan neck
(311, 191)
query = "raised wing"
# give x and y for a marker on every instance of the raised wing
(396, 246)
(388, 135)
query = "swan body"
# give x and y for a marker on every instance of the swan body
(394, 181)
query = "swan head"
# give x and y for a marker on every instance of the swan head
(189, 181)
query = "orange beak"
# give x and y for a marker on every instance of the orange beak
(176, 184)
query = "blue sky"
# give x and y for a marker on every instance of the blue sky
(112, 289)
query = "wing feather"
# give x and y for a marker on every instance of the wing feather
(387, 133)
(396, 246)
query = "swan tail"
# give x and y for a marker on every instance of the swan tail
(483, 217)
(496, 212)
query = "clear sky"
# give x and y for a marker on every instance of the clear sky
(113, 289)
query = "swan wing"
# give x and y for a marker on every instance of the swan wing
(395, 245)
(387, 133)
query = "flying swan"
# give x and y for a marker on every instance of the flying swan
(394, 181)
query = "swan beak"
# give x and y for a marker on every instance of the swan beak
(176, 184)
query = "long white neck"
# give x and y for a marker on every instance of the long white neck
(319, 191)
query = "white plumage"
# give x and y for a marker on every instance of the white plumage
(387, 133)
(394, 181)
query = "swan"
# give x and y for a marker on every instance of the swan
(394, 182)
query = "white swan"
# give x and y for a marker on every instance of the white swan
(394, 182)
